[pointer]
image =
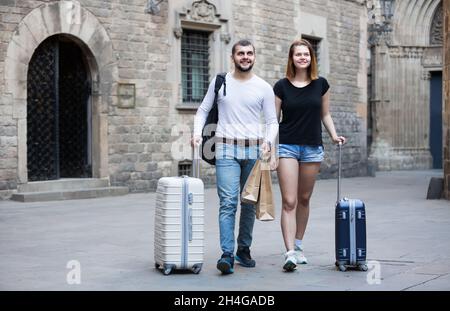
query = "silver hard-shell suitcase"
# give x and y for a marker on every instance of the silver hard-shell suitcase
(179, 223)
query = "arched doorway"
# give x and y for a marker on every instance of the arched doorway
(67, 20)
(436, 118)
(58, 111)
(436, 40)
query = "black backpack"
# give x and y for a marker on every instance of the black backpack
(208, 149)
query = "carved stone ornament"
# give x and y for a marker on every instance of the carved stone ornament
(126, 95)
(437, 27)
(426, 75)
(406, 51)
(225, 38)
(203, 11)
(201, 15)
(178, 32)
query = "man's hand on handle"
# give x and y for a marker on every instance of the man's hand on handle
(273, 162)
(265, 150)
(196, 141)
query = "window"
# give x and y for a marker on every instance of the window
(185, 168)
(315, 42)
(194, 65)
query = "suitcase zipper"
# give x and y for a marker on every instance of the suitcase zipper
(191, 201)
(184, 222)
(352, 222)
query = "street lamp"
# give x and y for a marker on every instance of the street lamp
(387, 9)
(378, 28)
(153, 6)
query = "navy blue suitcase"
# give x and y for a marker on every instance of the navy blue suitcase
(350, 226)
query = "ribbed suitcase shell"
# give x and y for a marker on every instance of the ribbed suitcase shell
(179, 224)
(350, 235)
(350, 229)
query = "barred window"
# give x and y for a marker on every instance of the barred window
(315, 42)
(194, 65)
(185, 168)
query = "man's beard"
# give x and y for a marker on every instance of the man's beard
(241, 69)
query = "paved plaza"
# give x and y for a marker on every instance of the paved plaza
(112, 241)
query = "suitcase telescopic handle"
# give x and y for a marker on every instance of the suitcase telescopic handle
(196, 161)
(339, 171)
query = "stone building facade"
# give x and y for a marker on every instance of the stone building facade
(405, 104)
(446, 117)
(130, 67)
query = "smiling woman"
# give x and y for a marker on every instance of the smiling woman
(303, 99)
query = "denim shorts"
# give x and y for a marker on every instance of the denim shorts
(303, 153)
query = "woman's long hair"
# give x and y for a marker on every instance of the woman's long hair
(312, 69)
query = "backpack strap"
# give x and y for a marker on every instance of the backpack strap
(220, 79)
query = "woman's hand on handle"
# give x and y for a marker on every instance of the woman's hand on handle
(339, 139)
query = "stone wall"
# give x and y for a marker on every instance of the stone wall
(403, 61)
(446, 115)
(138, 152)
(10, 16)
(137, 149)
(134, 144)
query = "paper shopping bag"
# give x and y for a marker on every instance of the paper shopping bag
(265, 207)
(250, 192)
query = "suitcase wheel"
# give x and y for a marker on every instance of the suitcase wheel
(342, 268)
(197, 268)
(167, 271)
(363, 267)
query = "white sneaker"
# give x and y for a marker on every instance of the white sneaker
(299, 256)
(290, 263)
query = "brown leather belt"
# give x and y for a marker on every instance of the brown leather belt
(240, 142)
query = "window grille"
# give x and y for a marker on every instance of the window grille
(194, 65)
(185, 168)
(315, 42)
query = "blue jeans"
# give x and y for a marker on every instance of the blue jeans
(233, 165)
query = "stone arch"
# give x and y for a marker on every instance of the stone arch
(62, 17)
(414, 26)
(436, 28)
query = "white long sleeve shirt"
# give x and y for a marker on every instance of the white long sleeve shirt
(242, 110)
